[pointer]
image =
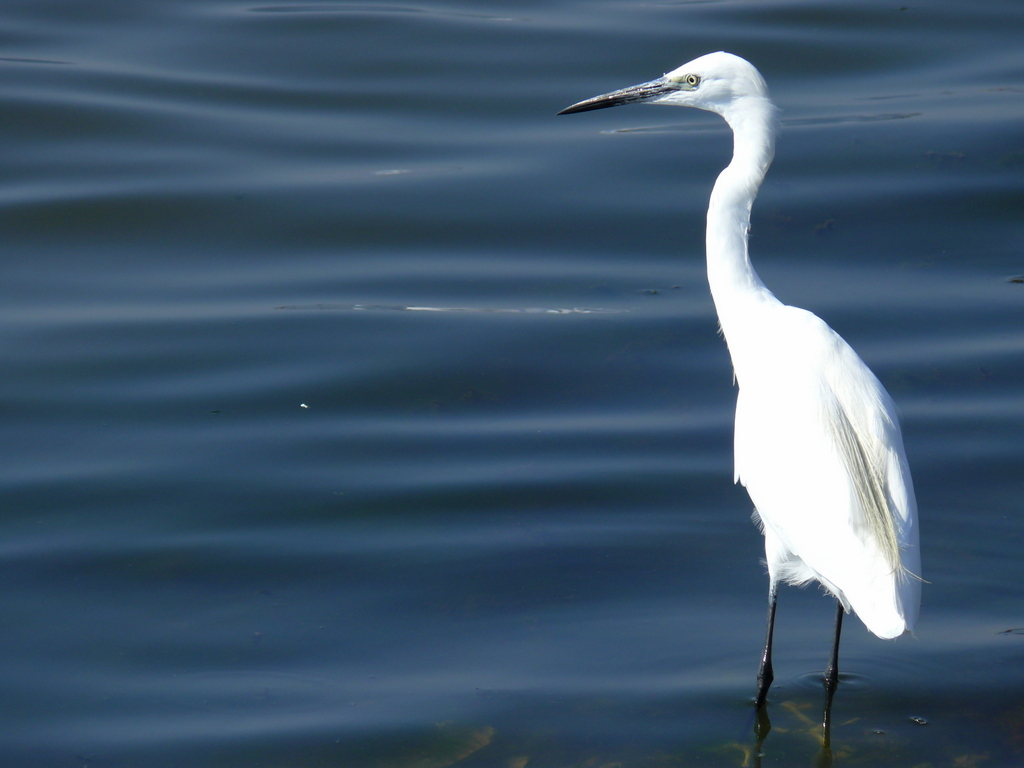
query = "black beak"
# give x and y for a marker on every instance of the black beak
(632, 95)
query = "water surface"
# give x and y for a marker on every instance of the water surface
(264, 502)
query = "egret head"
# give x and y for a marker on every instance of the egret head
(718, 82)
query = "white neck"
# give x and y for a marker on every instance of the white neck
(735, 286)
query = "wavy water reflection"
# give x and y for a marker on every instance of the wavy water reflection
(358, 411)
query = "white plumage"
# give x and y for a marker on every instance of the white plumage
(817, 442)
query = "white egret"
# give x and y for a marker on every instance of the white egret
(817, 441)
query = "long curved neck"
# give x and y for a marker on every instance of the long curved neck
(734, 283)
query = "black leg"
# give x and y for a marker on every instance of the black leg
(765, 676)
(832, 673)
(824, 758)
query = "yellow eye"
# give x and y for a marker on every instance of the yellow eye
(692, 80)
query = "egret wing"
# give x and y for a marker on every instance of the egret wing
(819, 451)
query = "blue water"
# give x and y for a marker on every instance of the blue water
(264, 504)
